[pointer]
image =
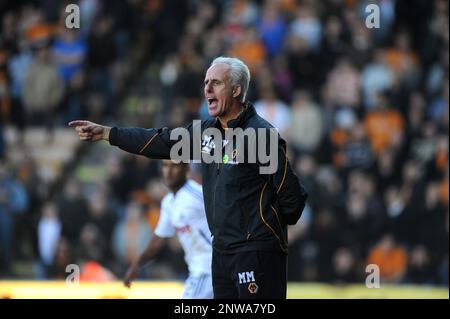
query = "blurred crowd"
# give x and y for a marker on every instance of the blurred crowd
(364, 112)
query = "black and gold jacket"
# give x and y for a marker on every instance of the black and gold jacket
(246, 210)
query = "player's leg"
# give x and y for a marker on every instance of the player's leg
(260, 274)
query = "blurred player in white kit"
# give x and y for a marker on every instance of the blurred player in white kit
(182, 214)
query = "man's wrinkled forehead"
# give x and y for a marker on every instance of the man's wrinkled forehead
(219, 71)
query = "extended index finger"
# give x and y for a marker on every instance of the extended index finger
(78, 123)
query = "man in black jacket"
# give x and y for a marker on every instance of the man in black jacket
(247, 211)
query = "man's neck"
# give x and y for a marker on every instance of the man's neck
(235, 111)
(175, 189)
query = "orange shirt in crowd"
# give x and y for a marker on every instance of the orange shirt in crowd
(400, 61)
(443, 191)
(288, 6)
(382, 127)
(392, 262)
(39, 32)
(92, 271)
(442, 159)
(251, 52)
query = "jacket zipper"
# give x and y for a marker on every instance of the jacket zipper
(214, 198)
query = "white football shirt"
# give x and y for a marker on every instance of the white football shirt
(184, 214)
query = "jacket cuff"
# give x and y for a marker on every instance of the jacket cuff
(113, 136)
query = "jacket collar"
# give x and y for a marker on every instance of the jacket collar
(243, 117)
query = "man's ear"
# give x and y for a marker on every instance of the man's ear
(237, 91)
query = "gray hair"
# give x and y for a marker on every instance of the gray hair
(239, 73)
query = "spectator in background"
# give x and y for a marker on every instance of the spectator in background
(92, 246)
(307, 26)
(375, 77)
(439, 105)
(444, 188)
(272, 28)
(275, 111)
(18, 66)
(102, 217)
(387, 169)
(364, 221)
(132, 174)
(357, 153)
(333, 44)
(416, 114)
(391, 259)
(2, 142)
(343, 83)
(325, 234)
(344, 119)
(240, 13)
(412, 192)
(249, 48)
(100, 56)
(431, 218)
(49, 234)
(69, 51)
(27, 174)
(188, 79)
(306, 126)
(9, 31)
(42, 88)
(443, 272)
(356, 222)
(5, 101)
(420, 268)
(116, 177)
(436, 74)
(131, 235)
(403, 60)
(307, 166)
(301, 61)
(13, 200)
(361, 42)
(73, 211)
(63, 256)
(282, 78)
(344, 266)
(299, 243)
(384, 125)
(93, 271)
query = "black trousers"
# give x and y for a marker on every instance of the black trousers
(249, 275)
